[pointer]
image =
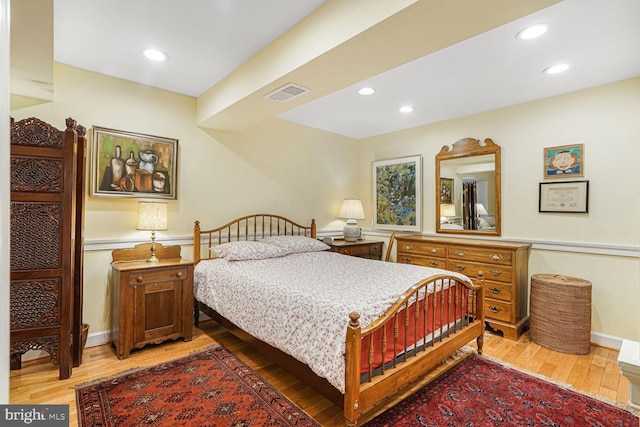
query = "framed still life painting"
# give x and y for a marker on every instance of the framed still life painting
(397, 193)
(127, 164)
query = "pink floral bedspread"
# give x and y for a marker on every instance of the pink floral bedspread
(300, 303)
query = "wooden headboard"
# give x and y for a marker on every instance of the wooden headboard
(250, 227)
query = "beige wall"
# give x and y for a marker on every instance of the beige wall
(605, 120)
(273, 167)
(282, 168)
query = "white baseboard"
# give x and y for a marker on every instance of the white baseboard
(604, 340)
(98, 338)
(609, 341)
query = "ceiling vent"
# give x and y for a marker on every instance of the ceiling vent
(286, 92)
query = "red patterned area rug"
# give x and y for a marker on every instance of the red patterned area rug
(208, 388)
(478, 392)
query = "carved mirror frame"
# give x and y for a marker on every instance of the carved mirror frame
(465, 149)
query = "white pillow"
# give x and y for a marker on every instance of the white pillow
(296, 244)
(245, 250)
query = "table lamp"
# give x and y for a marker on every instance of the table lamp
(481, 210)
(447, 210)
(351, 211)
(152, 216)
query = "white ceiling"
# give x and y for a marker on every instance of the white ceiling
(207, 40)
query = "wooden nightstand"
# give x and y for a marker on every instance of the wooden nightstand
(361, 248)
(150, 302)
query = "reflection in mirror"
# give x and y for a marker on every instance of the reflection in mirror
(468, 188)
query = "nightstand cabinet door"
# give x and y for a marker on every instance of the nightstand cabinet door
(151, 303)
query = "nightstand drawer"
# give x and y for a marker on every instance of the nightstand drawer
(421, 248)
(142, 277)
(361, 249)
(481, 255)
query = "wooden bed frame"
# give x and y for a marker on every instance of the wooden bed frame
(405, 372)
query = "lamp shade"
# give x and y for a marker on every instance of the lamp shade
(481, 210)
(351, 209)
(152, 216)
(447, 210)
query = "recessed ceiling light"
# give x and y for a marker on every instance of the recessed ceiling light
(155, 54)
(366, 91)
(555, 69)
(532, 31)
(406, 109)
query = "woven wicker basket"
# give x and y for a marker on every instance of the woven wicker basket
(560, 313)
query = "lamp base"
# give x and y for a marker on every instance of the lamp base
(351, 233)
(153, 257)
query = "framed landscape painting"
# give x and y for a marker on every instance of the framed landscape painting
(127, 164)
(397, 193)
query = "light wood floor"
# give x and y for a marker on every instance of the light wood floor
(37, 382)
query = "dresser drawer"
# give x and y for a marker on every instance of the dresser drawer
(480, 255)
(408, 258)
(497, 310)
(501, 291)
(491, 272)
(142, 277)
(423, 248)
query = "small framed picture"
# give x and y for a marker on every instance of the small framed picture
(446, 190)
(569, 197)
(564, 161)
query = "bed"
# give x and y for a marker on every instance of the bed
(356, 330)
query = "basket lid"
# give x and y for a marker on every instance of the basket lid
(559, 279)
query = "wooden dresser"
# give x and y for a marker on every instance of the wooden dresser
(150, 302)
(505, 267)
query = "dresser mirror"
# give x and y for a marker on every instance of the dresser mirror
(468, 188)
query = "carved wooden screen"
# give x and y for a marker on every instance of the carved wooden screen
(45, 303)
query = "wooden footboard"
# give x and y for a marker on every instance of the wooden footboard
(417, 340)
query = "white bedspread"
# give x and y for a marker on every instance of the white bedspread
(300, 303)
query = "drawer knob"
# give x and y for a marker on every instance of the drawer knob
(496, 257)
(407, 247)
(495, 309)
(460, 267)
(434, 250)
(496, 272)
(434, 264)
(407, 259)
(495, 290)
(139, 279)
(179, 274)
(460, 253)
